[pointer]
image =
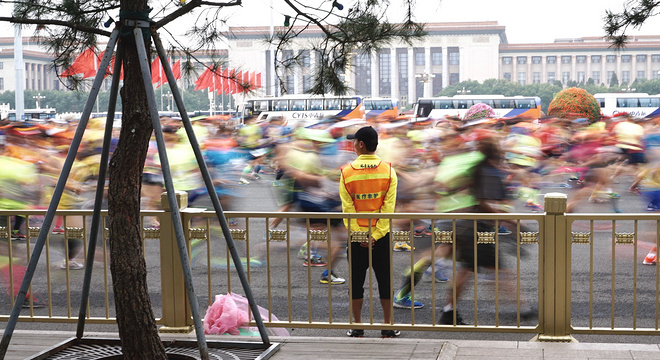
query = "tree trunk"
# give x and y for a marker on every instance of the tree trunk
(135, 318)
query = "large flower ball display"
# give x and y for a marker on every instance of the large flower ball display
(574, 103)
(478, 111)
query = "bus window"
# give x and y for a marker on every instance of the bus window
(297, 105)
(490, 103)
(348, 104)
(378, 105)
(462, 104)
(261, 105)
(631, 102)
(280, 105)
(504, 104)
(332, 104)
(315, 104)
(442, 104)
(424, 108)
(601, 102)
(654, 102)
(525, 104)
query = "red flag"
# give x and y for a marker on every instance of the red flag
(239, 82)
(83, 64)
(156, 71)
(111, 67)
(225, 81)
(218, 80)
(232, 81)
(246, 81)
(205, 80)
(253, 81)
(258, 80)
(176, 70)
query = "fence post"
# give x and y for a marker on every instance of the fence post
(177, 316)
(555, 314)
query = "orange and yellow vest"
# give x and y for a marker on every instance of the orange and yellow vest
(368, 187)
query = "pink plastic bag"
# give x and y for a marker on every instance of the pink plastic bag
(229, 314)
(223, 316)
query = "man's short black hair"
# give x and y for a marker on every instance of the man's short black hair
(367, 135)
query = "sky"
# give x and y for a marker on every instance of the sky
(525, 21)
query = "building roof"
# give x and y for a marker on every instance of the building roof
(442, 28)
(595, 44)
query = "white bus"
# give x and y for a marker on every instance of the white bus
(33, 114)
(303, 110)
(383, 107)
(504, 106)
(639, 105)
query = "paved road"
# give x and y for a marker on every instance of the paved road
(306, 301)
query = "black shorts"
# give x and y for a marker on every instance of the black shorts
(465, 245)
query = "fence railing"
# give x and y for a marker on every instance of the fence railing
(555, 275)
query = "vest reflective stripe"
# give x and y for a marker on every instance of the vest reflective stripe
(368, 188)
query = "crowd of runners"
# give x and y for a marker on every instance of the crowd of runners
(432, 159)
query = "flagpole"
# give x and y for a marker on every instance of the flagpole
(19, 73)
(222, 94)
(160, 80)
(96, 68)
(213, 92)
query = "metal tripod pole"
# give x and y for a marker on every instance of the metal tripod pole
(169, 187)
(100, 186)
(57, 195)
(212, 193)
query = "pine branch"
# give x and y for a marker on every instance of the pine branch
(67, 24)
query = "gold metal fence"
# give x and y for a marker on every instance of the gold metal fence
(553, 262)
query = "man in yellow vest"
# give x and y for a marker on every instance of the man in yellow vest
(368, 185)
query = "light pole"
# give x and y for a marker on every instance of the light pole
(628, 89)
(425, 78)
(37, 99)
(168, 98)
(463, 91)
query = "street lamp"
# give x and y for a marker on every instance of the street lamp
(37, 99)
(463, 91)
(628, 89)
(168, 97)
(425, 78)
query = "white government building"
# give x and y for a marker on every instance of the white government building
(451, 53)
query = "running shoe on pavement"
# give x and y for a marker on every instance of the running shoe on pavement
(333, 279)
(447, 318)
(58, 230)
(650, 258)
(401, 246)
(389, 333)
(73, 265)
(315, 260)
(503, 231)
(406, 303)
(422, 231)
(17, 235)
(355, 333)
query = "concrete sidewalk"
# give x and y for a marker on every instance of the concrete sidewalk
(26, 343)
